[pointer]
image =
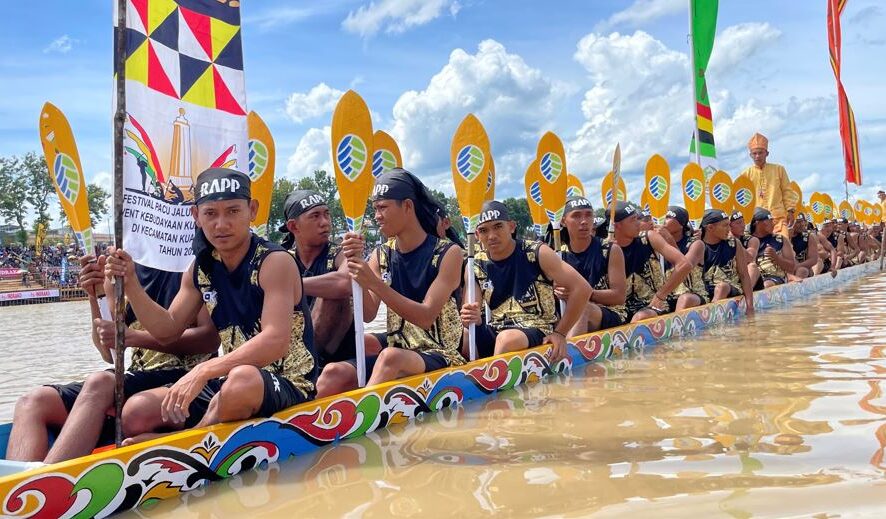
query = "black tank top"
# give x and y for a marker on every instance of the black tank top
(516, 289)
(411, 274)
(719, 264)
(235, 301)
(643, 273)
(593, 265)
(800, 243)
(322, 264)
(767, 266)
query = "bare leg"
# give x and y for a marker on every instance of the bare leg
(141, 416)
(34, 413)
(687, 300)
(394, 363)
(721, 290)
(331, 318)
(643, 314)
(337, 377)
(754, 273)
(511, 340)
(80, 434)
(240, 397)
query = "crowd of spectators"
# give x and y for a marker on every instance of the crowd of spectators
(55, 266)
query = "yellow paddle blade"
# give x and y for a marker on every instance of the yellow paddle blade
(794, 196)
(606, 189)
(817, 203)
(721, 191)
(262, 160)
(693, 191)
(490, 181)
(574, 187)
(644, 200)
(470, 158)
(385, 154)
(743, 197)
(532, 182)
(878, 213)
(552, 163)
(830, 208)
(846, 210)
(868, 213)
(63, 162)
(351, 151)
(658, 183)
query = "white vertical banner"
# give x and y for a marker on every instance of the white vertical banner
(186, 112)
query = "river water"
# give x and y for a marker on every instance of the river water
(779, 416)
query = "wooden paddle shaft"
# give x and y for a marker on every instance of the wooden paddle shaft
(119, 121)
(472, 282)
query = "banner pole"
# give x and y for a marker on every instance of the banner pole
(694, 74)
(119, 121)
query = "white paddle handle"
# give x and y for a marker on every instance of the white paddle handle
(104, 309)
(359, 339)
(472, 295)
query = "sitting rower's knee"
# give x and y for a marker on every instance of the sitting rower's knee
(511, 340)
(37, 403)
(100, 386)
(337, 377)
(141, 414)
(242, 394)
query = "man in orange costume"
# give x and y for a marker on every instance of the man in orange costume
(771, 183)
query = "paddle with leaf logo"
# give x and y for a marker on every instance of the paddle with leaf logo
(721, 191)
(471, 161)
(352, 138)
(261, 163)
(386, 155)
(693, 192)
(617, 182)
(532, 183)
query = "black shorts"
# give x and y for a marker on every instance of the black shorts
(485, 336)
(610, 319)
(763, 278)
(433, 361)
(733, 292)
(280, 393)
(133, 382)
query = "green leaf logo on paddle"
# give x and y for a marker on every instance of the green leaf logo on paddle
(351, 156)
(721, 192)
(657, 187)
(572, 191)
(67, 177)
(469, 162)
(744, 197)
(535, 192)
(551, 166)
(382, 160)
(694, 188)
(817, 207)
(258, 159)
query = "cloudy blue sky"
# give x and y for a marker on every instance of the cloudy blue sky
(593, 71)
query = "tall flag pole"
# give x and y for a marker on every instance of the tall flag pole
(848, 130)
(702, 29)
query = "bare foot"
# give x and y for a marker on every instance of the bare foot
(145, 437)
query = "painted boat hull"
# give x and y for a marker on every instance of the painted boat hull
(113, 481)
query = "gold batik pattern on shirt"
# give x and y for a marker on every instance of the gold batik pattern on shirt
(727, 273)
(693, 284)
(443, 337)
(298, 361)
(536, 308)
(768, 267)
(144, 359)
(771, 184)
(642, 286)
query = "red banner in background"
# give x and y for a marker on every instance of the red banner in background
(848, 130)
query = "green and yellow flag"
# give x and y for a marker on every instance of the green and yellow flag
(703, 27)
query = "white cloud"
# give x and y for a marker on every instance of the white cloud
(312, 152)
(62, 45)
(515, 102)
(396, 16)
(735, 44)
(320, 100)
(642, 12)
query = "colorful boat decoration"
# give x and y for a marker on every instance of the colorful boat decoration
(116, 480)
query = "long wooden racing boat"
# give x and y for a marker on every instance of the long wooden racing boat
(120, 479)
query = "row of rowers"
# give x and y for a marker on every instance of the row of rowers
(282, 314)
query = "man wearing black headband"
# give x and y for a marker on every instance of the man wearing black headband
(416, 275)
(515, 279)
(647, 287)
(725, 261)
(801, 239)
(774, 254)
(691, 292)
(739, 228)
(600, 262)
(252, 290)
(324, 273)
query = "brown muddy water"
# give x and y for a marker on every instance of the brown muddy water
(780, 416)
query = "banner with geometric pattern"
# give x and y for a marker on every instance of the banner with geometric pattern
(186, 112)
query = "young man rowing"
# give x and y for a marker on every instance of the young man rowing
(324, 274)
(252, 291)
(725, 261)
(516, 279)
(805, 246)
(600, 263)
(692, 291)
(416, 275)
(774, 254)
